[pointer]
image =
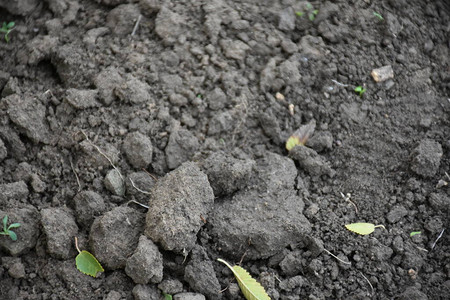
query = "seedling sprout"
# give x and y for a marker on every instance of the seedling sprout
(7, 229)
(6, 29)
(360, 90)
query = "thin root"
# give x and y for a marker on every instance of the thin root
(342, 261)
(367, 282)
(440, 235)
(76, 175)
(142, 191)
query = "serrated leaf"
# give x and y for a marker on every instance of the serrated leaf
(362, 228)
(12, 235)
(251, 288)
(415, 233)
(88, 264)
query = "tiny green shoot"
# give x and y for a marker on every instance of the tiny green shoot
(167, 296)
(6, 29)
(312, 13)
(415, 233)
(7, 229)
(378, 15)
(360, 90)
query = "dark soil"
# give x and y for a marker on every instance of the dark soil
(185, 107)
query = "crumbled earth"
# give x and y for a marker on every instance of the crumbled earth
(154, 132)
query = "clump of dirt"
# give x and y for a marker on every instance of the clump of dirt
(154, 131)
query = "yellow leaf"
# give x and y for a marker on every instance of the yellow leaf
(301, 135)
(251, 288)
(362, 228)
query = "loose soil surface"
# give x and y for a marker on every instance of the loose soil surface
(185, 107)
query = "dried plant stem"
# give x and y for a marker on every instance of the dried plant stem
(76, 245)
(440, 235)
(342, 261)
(371, 286)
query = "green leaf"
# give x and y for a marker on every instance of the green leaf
(167, 296)
(299, 13)
(88, 264)
(362, 228)
(14, 225)
(415, 233)
(251, 289)
(5, 221)
(12, 235)
(10, 25)
(378, 15)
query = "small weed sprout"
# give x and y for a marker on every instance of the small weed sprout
(312, 13)
(7, 229)
(6, 29)
(360, 90)
(380, 17)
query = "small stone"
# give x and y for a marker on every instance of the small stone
(189, 296)
(181, 147)
(289, 46)
(426, 158)
(113, 295)
(321, 141)
(17, 270)
(221, 122)
(412, 293)
(383, 73)
(171, 286)
(114, 183)
(169, 25)
(114, 236)
(216, 99)
(37, 184)
(202, 278)
(3, 151)
(227, 174)
(28, 114)
(176, 205)
(82, 99)
(286, 19)
(106, 82)
(146, 263)
(59, 227)
(134, 91)
(138, 150)
(234, 49)
(146, 292)
(88, 205)
(396, 214)
(291, 265)
(439, 201)
(434, 225)
(311, 161)
(13, 191)
(292, 283)
(121, 19)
